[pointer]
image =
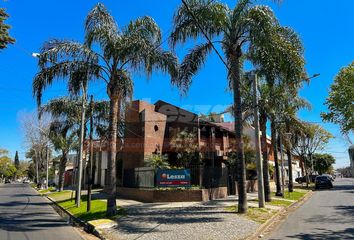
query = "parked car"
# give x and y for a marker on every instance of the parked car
(303, 179)
(51, 183)
(300, 179)
(323, 182)
(329, 176)
(7, 180)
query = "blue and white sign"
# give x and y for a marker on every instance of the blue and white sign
(173, 178)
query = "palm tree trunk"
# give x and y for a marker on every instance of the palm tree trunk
(62, 166)
(276, 161)
(111, 165)
(263, 126)
(241, 165)
(290, 162)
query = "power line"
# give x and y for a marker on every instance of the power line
(211, 43)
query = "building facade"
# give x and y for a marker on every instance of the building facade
(150, 129)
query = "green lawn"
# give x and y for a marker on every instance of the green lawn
(280, 202)
(296, 195)
(277, 202)
(98, 209)
(260, 215)
(45, 191)
(304, 187)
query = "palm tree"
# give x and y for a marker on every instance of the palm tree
(291, 105)
(64, 142)
(280, 62)
(236, 29)
(134, 48)
(64, 129)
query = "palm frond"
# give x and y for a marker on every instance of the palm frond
(191, 64)
(100, 27)
(145, 28)
(210, 15)
(56, 50)
(79, 72)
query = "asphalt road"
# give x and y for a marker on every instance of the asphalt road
(26, 216)
(329, 215)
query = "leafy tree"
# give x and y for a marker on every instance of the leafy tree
(31, 171)
(340, 101)
(250, 153)
(22, 169)
(17, 160)
(306, 139)
(134, 48)
(36, 133)
(323, 162)
(157, 161)
(186, 146)
(5, 38)
(7, 169)
(237, 29)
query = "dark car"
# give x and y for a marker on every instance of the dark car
(300, 179)
(303, 179)
(7, 181)
(323, 182)
(329, 176)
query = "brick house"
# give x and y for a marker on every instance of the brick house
(149, 128)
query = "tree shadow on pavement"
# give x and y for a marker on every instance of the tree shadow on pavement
(345, 234)
(30, 224)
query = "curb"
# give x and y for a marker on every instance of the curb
(265, 226)
(74, 221)
(71, 219)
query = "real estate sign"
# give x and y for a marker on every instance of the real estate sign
(173, 178)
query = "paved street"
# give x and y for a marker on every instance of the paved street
(329, 214)
(25, 215)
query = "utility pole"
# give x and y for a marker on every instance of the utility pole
(91, 157)
(37, 168)
(47, 167)
(78, 194)
(282, 164)
(261, 199)
(290, 162)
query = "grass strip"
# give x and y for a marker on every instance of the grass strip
(259, 215)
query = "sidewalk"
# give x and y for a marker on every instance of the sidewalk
(215, 219)
(187, 220)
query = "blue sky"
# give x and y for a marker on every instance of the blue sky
(325, 26)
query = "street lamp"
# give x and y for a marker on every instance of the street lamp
(36, 55)
(313, 76)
